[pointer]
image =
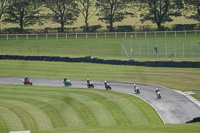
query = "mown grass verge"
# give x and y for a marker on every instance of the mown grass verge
(148, 128)
(173, 78)
(42, 109)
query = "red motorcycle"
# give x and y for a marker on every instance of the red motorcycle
(28, 81)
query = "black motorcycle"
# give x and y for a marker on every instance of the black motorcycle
(137, 91)
(90, 85)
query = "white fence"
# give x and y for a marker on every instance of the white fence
(145, 34)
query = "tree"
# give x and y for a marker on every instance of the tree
(2, 7)
(63, 11)
(159, 11)
(3, 4)
(193, 6)
(112, 11)
(84, 9)
(22, 12)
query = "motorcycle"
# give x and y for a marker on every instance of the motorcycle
(67, 83)
(158, 94)
(137, 91)
(108, 87)
(90, 85)
(28, 81)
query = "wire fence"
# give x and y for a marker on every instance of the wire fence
(145, 34)
(160, 49)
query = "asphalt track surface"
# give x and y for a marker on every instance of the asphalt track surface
(173, 107)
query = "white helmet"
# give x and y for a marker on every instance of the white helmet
(156, 88)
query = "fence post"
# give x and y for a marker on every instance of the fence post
(145, 34)
(26, 36)
(7, 37)
(148, 49)
(46, 36)
(155, 34)
(86, 35)
(174, 50)
(165, 49)
(96, 34)
(76, 36)
(175, 33)
(135, 34)
(105, 34)
(191, 50)
(36, 36)
(66, 36)
(195, 32)
(56, 35)
(125, 34)
(115, 34)
(183, 50)
(139, 49)
(185, 32)
(165, 33)
(16, 36)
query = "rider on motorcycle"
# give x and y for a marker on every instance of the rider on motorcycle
(158, 93)
(105, 83)
(66, 81)
(157, 90)
(89, 84)
(137, 89)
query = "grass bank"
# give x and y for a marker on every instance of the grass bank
(49, 108)
(158, 128)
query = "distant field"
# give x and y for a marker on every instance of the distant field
(169, 48)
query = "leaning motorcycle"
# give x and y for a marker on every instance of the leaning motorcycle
(28, 81)
(90, 85)
(137, 91)
(108, 87)
(67, 83)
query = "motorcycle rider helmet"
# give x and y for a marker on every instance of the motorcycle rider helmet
(157, 89)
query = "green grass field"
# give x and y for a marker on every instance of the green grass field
(61, 110)
(170, 48)
(47, 108)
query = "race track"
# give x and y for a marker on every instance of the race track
(173, 108)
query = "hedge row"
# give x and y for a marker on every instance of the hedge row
(88, 59)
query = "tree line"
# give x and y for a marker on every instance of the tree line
(66, 12)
